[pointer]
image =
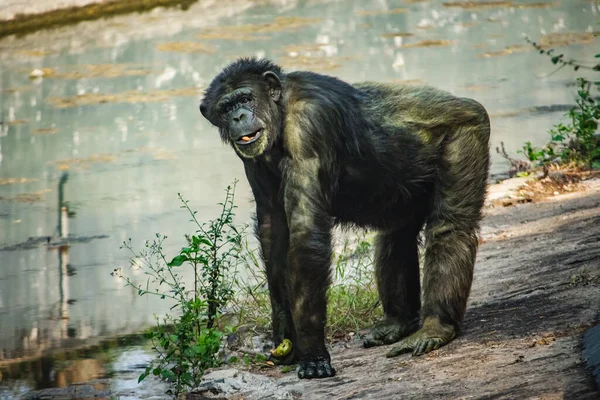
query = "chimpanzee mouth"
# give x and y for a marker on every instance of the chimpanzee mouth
(247, 139)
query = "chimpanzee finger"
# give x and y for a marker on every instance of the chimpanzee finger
(403, 347)
(430, 345)
(372, 342)
(419, 347)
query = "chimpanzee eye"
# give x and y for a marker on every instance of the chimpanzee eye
(245, 99)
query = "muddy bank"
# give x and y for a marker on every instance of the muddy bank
(536, 291)
(9, 9)
(48, 16)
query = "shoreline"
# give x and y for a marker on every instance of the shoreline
(535, 294)
(45, 15)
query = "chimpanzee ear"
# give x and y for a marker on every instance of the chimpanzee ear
(274, 84)
(204, 110)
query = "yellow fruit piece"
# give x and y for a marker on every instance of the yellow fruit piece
(284, 348)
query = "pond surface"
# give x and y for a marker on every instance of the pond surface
(114, 104)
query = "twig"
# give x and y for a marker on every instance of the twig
(516, 165)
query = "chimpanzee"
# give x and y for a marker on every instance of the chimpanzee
(398, 159)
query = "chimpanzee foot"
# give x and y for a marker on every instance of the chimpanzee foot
(431, 336)
(315, 367)
(389, 330)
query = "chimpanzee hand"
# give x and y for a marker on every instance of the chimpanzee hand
(431, 336)
(390, 330)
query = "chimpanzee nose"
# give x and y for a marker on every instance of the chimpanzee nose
(240, 115)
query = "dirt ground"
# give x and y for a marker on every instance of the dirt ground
(536, 290)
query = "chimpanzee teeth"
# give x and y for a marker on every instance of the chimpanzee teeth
(247, 139)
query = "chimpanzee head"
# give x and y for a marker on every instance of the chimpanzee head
(243, 101)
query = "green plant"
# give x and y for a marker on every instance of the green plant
(251, 306)
(575, 142)
(584, 146)
(353, 298)
(188, 341)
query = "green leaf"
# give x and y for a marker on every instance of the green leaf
(156, 371)
(200, 349)
(260, 358)
(177, 261)
(197, 240)
(142, 377)
(288, 368)
(189, 353)
(187, 378)
(167, 374)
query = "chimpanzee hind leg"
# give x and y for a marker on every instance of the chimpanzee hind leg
(451, 234)
(397, 272)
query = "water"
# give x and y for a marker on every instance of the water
(128, 157)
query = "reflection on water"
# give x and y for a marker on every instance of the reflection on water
(115, 104)
(107, 369)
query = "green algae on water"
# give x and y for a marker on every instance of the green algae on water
(185, 47)
(131, 96)
(279, 24)
(366, 13)
(44, 131)
(429, 43)
(396, 34)
(12, 181)
(473, 5)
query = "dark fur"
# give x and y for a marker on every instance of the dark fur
(391, 158)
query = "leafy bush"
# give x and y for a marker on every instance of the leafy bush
(575, 142)
(187, 343)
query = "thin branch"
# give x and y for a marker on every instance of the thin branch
(559, 59)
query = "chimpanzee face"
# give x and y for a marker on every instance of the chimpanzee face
(244, 108)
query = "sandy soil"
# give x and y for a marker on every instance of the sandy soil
(536, 290)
